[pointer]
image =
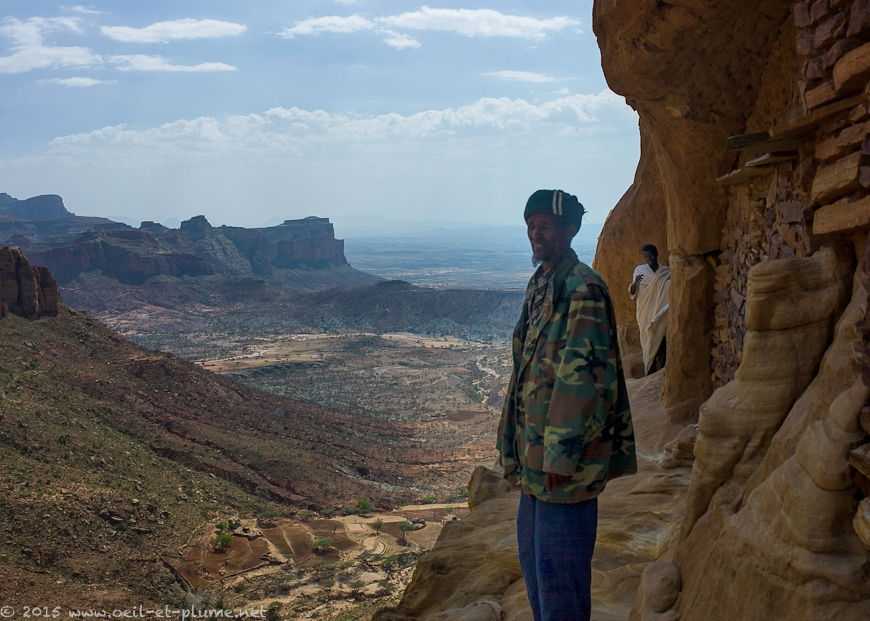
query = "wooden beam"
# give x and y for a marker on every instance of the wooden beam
(757, 144)
(742, 141)
(743, 175)
(773, 145)
(771, 159)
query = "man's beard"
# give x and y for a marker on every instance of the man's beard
(536, 261)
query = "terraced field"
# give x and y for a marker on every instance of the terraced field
(313, 568)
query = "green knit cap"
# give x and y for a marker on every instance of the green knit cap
(558, 203)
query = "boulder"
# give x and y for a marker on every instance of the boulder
(659, 588)
(680, 451)
(484, 485)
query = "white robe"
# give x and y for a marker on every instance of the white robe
(652, 309)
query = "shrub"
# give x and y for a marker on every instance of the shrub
(222, 541)
(322, 544)
(364, 505)
(273, 613)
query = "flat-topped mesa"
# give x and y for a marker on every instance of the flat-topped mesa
(302, 243)
(196, 228)
(25, 290)
(36, 208)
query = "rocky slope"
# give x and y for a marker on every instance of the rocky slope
(754, 122)
(113, 456)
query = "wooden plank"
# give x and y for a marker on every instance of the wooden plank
(837, 178)
(760, 143)
(770, 146)
(741, 141)
(806, 124)
(743, 175)
(771, 159)
(842, 216)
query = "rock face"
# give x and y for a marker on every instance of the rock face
(24, 290)
(635, 221)
(71, 245)
(308, 242)
(668, 61)
(757, 114)
(755, 132)
(46, 207)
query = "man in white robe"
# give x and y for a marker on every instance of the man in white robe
(650, 286)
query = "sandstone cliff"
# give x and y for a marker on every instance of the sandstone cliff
(46, 207)
(25, 290)
(755, 135)
(71, 245)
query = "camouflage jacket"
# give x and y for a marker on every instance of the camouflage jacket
(575, 418)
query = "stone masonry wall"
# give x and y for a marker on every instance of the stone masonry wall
(818, 188)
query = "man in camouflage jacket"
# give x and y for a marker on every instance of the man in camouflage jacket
(566, 427)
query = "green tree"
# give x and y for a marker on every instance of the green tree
(222, 541)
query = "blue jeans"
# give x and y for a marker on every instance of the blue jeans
(556, 542)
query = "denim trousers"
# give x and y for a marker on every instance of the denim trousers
(556, 542)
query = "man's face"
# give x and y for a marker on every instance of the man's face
(649, 257)
(549, 240)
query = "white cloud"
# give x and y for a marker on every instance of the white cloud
(77, 82)
(521, 76)
(175, 30)
(82, 10)
(290, 129)
(399, 41)
(329, 23)
(478, 23)
(29, 51)
(143, 62)
(466, 22)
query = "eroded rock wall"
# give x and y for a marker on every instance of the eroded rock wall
(25, 290)
(755, 130)
(636, 220)
(692, 71)
(768, 297)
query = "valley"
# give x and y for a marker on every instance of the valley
(447, 390)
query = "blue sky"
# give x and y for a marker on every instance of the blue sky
(381, 114)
